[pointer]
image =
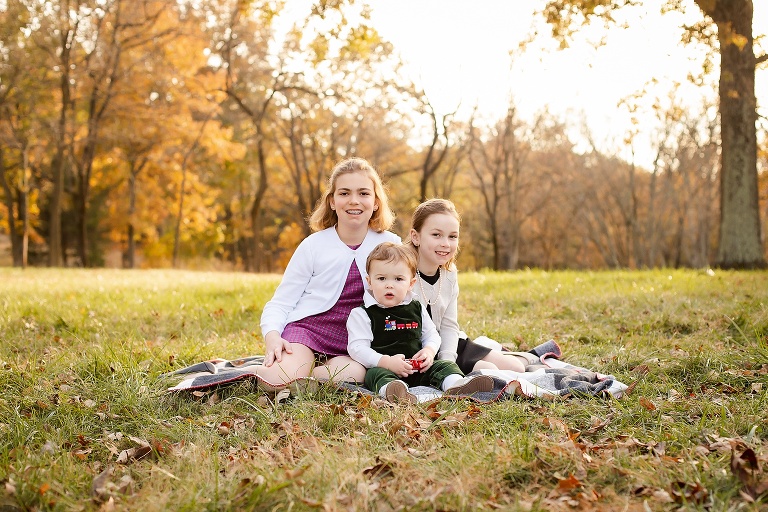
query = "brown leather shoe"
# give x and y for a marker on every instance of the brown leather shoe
(397, 392)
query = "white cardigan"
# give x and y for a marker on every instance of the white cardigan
(445, 313)
(315, 277)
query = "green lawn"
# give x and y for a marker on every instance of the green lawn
(86, 424)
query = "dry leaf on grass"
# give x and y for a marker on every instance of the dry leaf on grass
(379, 470)
(598, 424)
(685, 492)
(556, 424)
(566, 485)
(747, 469)
(647, 404)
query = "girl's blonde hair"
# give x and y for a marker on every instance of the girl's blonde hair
(425, 210)
(324, 217)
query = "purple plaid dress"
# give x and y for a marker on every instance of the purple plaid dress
(326, 332)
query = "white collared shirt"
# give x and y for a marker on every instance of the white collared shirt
(361, 335)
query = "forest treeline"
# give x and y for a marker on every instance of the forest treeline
(146, 133)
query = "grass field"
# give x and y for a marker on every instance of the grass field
(86, 424)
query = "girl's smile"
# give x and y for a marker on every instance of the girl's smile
(354, 202)
(437, 241)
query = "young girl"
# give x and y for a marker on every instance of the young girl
(435, 237)
(305, 321)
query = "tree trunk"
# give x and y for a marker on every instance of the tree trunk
(258, 198)
(58, 166)
(739, 245)
(130, 253)
(16, 240)
(81, 199)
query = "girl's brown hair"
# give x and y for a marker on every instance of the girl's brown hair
(324, 217)
(426, 209)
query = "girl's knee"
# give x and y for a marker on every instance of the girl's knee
(340, 370)
(484, 365)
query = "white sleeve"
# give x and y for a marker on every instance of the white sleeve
(449, 327)
(429, 335)
(360, 339)
(293, 285)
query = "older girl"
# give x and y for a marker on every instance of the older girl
(304, 324)
(434, 235)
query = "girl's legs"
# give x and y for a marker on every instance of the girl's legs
(497, 360)
(293, 366)
(340, 369)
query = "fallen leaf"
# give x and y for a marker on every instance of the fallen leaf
(82, 453)
(599, 424)
(108, 506)
(647, 404)
(282, 395)
(133, 454)
(10, 486)
(379, 470)
(568, 484)
(364, 402)
(683, 492)
(745, 467)
(293, 474)
(556, 424)
(99, 483)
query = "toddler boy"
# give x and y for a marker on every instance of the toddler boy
(392, 329)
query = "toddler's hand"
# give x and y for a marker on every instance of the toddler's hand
(396, 364)
(426, 357)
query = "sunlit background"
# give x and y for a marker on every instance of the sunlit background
(468, 54)
(201, 133)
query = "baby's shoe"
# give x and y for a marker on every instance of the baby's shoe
(397, 391)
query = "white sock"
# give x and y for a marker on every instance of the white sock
(450, 381)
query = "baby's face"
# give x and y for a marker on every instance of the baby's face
(390, 282)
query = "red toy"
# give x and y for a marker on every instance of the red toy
(415, 363)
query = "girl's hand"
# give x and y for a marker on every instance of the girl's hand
(426, 356)
(396, 364)
(275, 347)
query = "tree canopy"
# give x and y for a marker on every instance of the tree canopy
(142, 133)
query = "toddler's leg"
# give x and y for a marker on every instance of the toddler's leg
(387, 385)
(340, 369)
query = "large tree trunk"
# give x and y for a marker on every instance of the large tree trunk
(58, 167)
(739, 245)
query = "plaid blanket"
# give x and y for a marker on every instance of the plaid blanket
(545, 376)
